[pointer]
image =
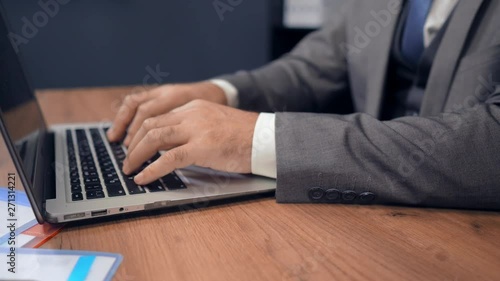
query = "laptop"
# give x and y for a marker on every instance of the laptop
(71, 172)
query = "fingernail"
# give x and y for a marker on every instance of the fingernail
(109, 132)
(139, 178)
(126, 141)
(125, 167)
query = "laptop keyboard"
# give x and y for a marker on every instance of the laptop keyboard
(94, 177)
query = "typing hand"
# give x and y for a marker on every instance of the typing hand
(138, 107)
(199, 133)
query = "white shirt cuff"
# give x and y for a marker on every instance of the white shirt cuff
(229, 90)
(264, 146)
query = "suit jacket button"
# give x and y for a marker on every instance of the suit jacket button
(316, 193)
(349, 195)
(367, 197)
(332, 194)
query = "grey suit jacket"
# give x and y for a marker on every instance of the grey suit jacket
(449, 156)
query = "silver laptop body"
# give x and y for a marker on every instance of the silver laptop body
(191, 185)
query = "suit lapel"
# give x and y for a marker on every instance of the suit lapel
(381, 49)
(448, 55)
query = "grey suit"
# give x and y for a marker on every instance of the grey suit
(449, 156)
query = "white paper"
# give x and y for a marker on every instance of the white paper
(40, 267)
(23, 214)
(21, 240)
(52, 267)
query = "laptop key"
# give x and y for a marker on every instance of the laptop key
(104, 159)
(110, 175)
(99, 194)
(115, 190)
(76, 188)
(86, 163)
(108, 169)
(95, 194)
(86, 157)
(173, 182)
(133, 188)
(93, 187)
(91, 180)
(155, 186)
(107, 164)
(90, 174)
(102, 153)
(120, 154)
(90, 169)
(77, 196)
(111, 181)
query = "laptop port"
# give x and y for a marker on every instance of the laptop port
(99, 213)
(74, 216)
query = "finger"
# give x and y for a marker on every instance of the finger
(149, 109)
(154, 141)
(126, 113)
(176, 158)
(169, 119)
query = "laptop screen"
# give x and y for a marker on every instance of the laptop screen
(20, 111)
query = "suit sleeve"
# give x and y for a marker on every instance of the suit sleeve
(311, 78)
(450, 160)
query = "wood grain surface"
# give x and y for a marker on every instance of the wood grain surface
(258, 239)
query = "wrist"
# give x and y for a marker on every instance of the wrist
(207, 91)
(236, 146)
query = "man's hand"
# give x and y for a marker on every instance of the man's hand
(139, 107)
(198, 133)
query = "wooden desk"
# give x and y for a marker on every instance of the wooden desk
(261, 240)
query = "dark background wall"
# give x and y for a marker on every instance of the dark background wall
(112, 42)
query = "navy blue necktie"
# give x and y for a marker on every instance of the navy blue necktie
(412, 45)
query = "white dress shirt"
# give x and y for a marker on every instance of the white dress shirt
(264, 142)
